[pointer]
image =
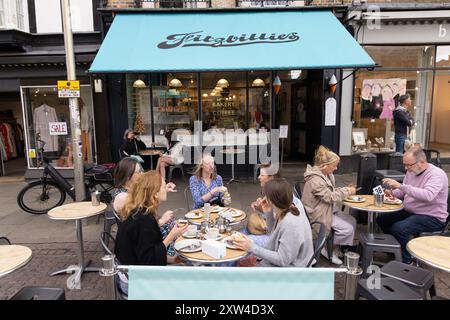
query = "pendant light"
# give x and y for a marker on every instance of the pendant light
(223, 83)
(139, 84)
(175, 83)
(258, 82)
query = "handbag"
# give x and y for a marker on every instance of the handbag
(256, 224)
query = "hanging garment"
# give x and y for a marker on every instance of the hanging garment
(85, 119)
(4, 133)
(3, 154)
(86, 146)
(12, 140)
(42, 116)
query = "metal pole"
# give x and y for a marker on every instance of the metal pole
(109, 272)
(78, 170)
(352, 275)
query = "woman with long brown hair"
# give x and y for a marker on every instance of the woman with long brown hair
(205, 184)
(139, 240)
(290, 243)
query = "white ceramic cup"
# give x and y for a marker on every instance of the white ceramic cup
(212, 233)
(191, 230)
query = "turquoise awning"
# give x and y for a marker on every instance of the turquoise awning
(246, 40)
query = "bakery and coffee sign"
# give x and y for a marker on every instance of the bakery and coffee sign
(199, 38)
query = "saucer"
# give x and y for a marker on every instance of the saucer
(185, 235)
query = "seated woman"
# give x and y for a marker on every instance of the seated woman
(173, 156)
(205, 184)
(290, 242)
(132, 145)
(320, 197)
(139, 240)
(267, 173)
(127, 172)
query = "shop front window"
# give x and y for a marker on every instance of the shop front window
(260, 97)
(377, 94)
(402, 56)
(439, 131)
(224, 100)
(174, 102)
(47, 118)
(443, 56)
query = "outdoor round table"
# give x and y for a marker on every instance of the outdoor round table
(77, 211)
(214, 216)
(150, 153)
(232, 151)
(200, 258)
(369, 206)
(13, 257)
(431, 250)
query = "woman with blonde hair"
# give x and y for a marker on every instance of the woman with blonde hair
(320, 197)
(139, 240)
(205, 184)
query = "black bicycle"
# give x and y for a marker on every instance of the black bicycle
(50, 191)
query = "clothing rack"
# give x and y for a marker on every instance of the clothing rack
(11, 121)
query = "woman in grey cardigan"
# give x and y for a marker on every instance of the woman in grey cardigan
(290, 243)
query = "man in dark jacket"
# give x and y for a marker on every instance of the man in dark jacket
(402, 120)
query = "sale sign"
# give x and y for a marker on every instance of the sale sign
(58, 128)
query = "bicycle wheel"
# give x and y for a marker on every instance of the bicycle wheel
(39, 197)
(105, 189)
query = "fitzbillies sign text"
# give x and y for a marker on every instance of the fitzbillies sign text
(198, 38)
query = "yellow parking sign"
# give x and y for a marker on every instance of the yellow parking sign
(69, 84)
(68, 88)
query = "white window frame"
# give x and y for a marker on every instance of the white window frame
(2, 15)
(14, 15)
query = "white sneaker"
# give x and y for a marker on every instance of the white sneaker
(334, 258)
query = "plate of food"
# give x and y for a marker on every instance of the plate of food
(356, 199)
(229, 240)
(188, 245)
(392, 201)
(215, 208)
(193, 215)
(234, 213)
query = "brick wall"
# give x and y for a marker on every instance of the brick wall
(120, 3)
(232, 3)
(223, 3)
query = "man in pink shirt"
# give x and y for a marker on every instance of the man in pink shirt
(424, 192)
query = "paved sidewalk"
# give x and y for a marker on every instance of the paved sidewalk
(54, 242)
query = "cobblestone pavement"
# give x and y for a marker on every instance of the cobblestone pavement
(54, 243)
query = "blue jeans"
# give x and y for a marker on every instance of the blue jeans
(399, 142)
(404, 225)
